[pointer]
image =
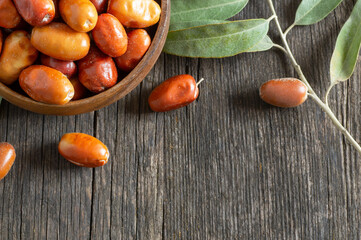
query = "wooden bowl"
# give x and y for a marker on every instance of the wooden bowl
(122, 88)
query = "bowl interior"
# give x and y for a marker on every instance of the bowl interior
(125, 85)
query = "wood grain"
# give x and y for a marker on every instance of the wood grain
(226, 167)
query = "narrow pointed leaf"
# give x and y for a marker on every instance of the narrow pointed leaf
(189, 24)
(217, 40)
(347, 48)
(264, 45)
(192, 10)
(313, 11)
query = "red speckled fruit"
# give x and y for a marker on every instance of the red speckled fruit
(97, 71)
(10, 17)
(47, 85)
(17, 54)
(68, 68)
(36, 12)
(110, 36)
(7, 158)
(83, 150)
(285, 92)
(174, 93)
(100, 5)
(59, 41)
(80, 15)
(135, 13)
(79, 90)
(138, 44)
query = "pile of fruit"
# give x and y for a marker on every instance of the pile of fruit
(63, 50)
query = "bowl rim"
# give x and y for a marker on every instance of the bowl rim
(118, 91)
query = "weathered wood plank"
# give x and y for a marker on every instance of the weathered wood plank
(150, 177)
(75, 185)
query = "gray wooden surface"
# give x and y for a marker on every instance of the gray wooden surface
(227, 167)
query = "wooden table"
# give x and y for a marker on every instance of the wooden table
(227, 167)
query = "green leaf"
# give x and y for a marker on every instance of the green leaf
(217, 40)
(190, 24)
(313, 11)
(264, 45)
(347, 48)
(192, 10)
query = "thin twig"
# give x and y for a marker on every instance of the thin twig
(271, 18)
(312, 93)
(289, 29)
(280, 47)
(328, 93)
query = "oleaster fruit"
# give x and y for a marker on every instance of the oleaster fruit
(36, 12)
(100, 5)
(47, 85)
(138, 44)
(174, 93)
(83, 150)
(110, 36)
(97, 71)
(59, 41)
(284, 92)
(17, 54)
(7, 158)
(10, 17)
(79, 90)
(135, 13)
(68, 68)
(80, 15)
